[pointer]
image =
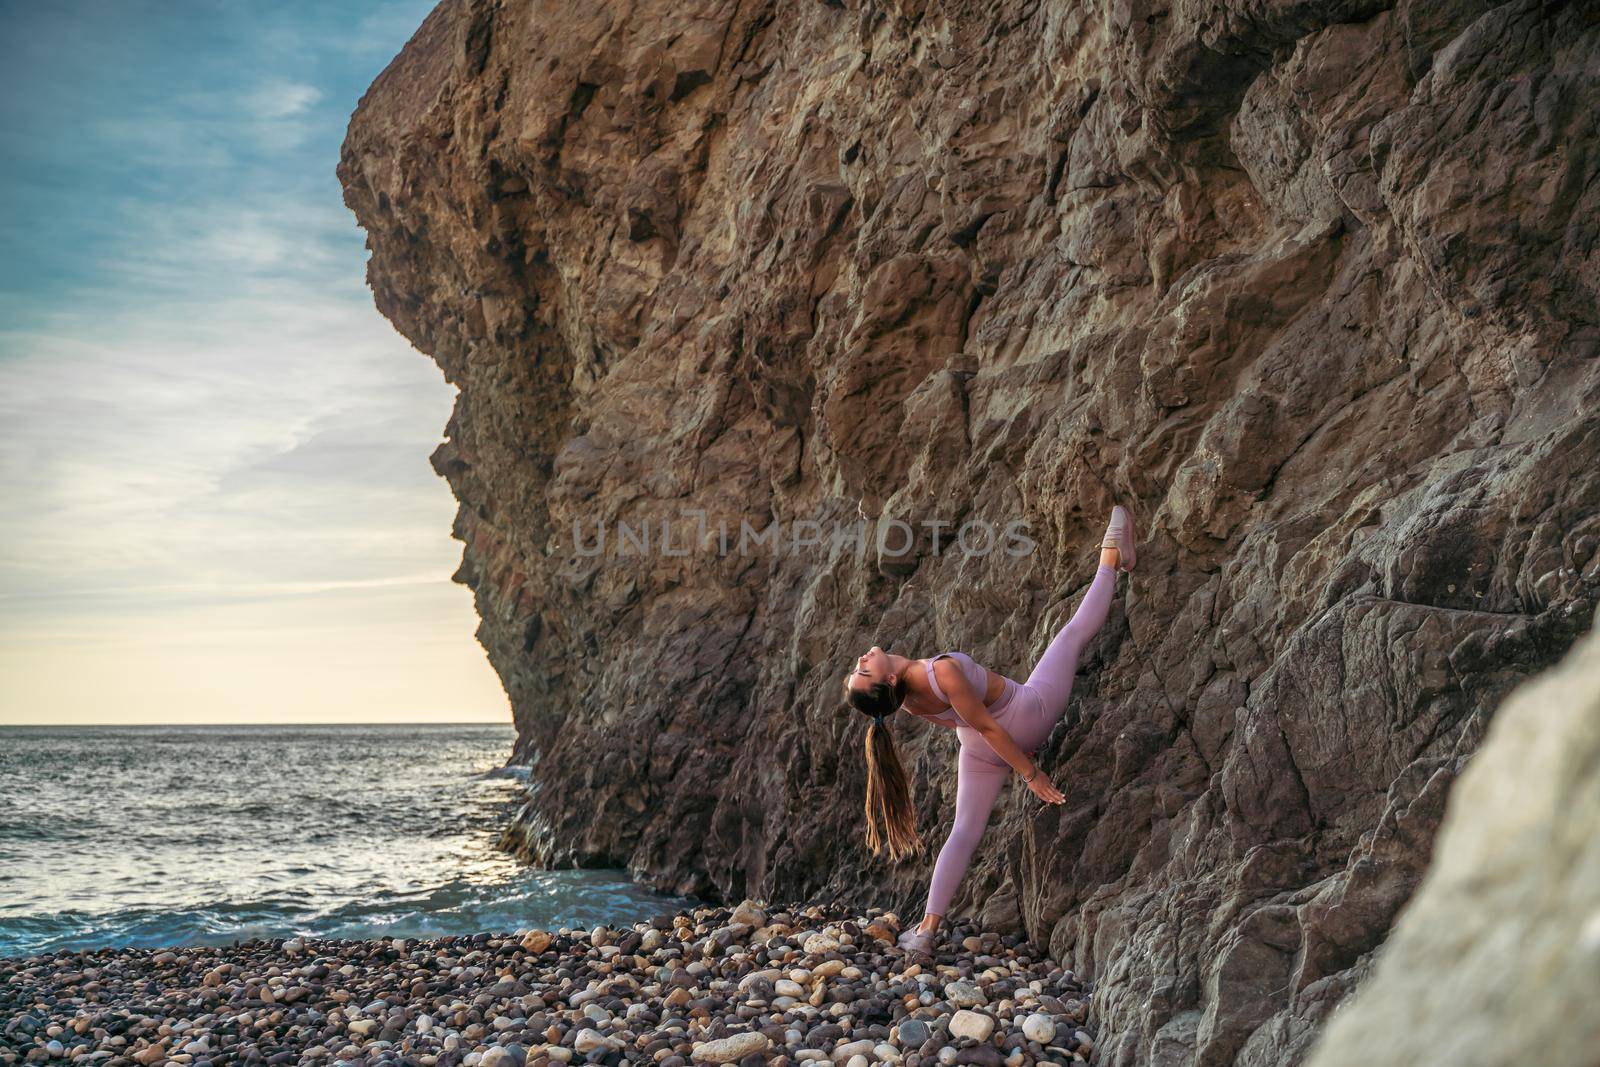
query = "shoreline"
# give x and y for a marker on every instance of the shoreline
(748, 985)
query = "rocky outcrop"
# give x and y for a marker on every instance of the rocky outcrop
(1510, 902)
(1311, 285)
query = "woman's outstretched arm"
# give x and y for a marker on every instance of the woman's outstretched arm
(969, 707)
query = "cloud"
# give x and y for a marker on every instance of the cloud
(232, 245)
(279, 100)
(174, 454)
(152, 140)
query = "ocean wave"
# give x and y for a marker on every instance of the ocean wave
(514, 770)
(349, 832)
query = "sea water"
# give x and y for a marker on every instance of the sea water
(175, 835)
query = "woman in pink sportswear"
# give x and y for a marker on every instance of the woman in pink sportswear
(999, 723)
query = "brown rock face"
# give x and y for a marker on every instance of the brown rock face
(1312, 286)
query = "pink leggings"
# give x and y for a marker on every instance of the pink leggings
(1030, 715)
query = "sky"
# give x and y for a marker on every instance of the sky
(215, 497)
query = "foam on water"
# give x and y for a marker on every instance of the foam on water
(154, 836)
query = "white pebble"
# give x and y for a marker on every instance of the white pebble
(1039, 1027)
(971, 1024)
(589, 1039)
(851, 1049)
(730, 1049)
(819, 943)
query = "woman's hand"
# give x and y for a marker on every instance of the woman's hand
(1044, 789)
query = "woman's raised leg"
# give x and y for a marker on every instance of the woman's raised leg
(1052, 676)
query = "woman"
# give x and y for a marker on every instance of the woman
(1000, 725)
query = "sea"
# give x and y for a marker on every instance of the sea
(182, 835)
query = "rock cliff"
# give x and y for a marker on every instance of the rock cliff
(1311, 285)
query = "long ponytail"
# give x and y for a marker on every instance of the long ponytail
(891, 819)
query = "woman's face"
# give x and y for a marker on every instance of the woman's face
(870, 669)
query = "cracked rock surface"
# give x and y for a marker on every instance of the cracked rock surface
(1311, 285)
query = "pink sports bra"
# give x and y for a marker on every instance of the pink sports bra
(974, 673)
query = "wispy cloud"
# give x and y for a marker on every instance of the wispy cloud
(160, 140)
(278, 99)
(297, 447)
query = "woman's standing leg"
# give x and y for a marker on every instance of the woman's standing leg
(978, 785)
(1052, 677)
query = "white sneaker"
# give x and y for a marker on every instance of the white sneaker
(915, 942)
(1119, 535)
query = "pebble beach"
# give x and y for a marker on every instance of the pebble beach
(747, 985)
